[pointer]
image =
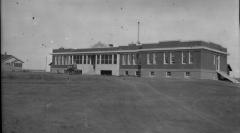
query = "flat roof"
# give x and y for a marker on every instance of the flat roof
(165, 44)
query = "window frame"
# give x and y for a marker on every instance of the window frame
(172, 58)
(152, 74)
(167, 74)
(187, 75)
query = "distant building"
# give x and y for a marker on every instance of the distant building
(170, 59)
(10, 63)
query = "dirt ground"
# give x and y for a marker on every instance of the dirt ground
(57, 103)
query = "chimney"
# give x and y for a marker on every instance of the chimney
(110, 45)
(5, 53)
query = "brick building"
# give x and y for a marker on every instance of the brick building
(171, 59)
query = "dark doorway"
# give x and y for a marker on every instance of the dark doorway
(106, 72)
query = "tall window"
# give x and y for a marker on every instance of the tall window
(55, 60)
(148, 59)
(77, 59)
(214, 59)
(172, 58)
(128, 59)
(109, 59)
(102, 59)
(98, 59)
(59, 60)
(80, 59)
(123, 60)
(84, 59)
(190, 57)
(154, 58)
(115, 59)
(166, 57)
(184, 57)
(133, 59)
(89, 59)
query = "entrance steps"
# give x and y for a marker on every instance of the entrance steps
(226, 76)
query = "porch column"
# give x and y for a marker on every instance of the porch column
(69, 59)
(83, 57)
(90, 60)
(86, 59)
(72, 59)
(112, 58)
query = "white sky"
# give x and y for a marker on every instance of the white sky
(27, 24)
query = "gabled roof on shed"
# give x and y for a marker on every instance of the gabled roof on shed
(5, 57)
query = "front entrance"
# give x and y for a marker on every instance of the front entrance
(106, 72)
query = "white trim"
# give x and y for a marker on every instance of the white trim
(171, 56)
(182, 58)
(164, 58)
(189, 57)
(138, 50)
(128, 59)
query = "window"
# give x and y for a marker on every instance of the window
(154, 58)
(172, 58)
(80, 59)
(133, 59)
(184, 57)
(123, 60)
(115, 59)
(98, 59)
(148, 59)
(187, 74)
(152, 73)
(59, 60)
(128, 59)
(77, 59)
(89, 59)
(137, 73)
(190, 57)
(62, 60)
(109, 59)
(105, 59)
(84, 59)
(214, 59)
(55, 60)
(102, 59)
(17, 65)
(166, 57)
(168, 74)
(126, 72)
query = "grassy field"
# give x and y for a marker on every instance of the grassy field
(57, 103)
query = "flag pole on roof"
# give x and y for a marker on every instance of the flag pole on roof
(138, 42)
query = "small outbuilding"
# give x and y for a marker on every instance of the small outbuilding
(10, 63)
